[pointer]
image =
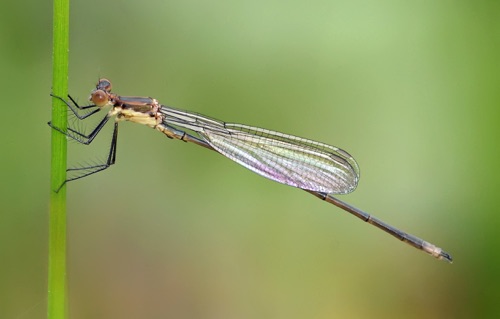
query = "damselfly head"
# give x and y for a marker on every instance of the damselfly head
(100, 95)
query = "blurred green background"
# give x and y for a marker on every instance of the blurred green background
(410, 89)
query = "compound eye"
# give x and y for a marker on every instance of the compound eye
(99, 98)
(104, 84)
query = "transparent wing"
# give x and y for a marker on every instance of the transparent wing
(280, 157)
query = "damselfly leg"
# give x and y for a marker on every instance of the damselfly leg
(86, 139)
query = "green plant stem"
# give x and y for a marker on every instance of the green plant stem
(57, 286)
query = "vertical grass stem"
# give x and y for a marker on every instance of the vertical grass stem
(57, 285)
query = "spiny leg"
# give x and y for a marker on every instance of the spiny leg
(80, 172)
(74, 105)
(86, 139)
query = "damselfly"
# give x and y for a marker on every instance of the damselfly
(317, 168)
